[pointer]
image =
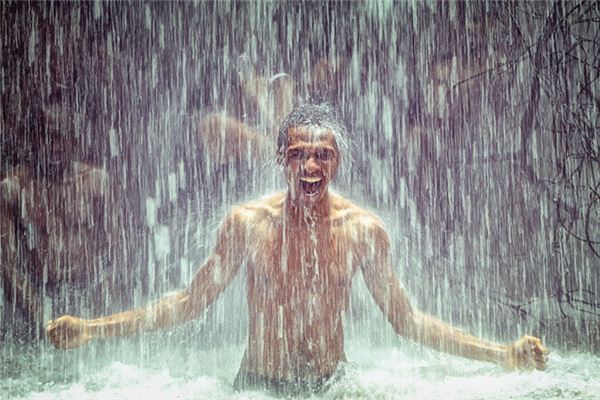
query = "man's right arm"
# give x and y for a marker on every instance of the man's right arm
(210, 280)
(224, 136)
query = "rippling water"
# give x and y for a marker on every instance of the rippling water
(158, 367)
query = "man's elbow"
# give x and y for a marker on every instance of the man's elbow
(406, 324)
(190, 306)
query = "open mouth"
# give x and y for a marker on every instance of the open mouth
(311, 184)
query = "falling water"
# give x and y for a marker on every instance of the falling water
(474, 136)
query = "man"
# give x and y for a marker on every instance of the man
(266, 101)
(301, 249)
(46, 247)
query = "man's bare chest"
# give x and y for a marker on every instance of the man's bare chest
(300, 266)
(62, 220)
(67, 205)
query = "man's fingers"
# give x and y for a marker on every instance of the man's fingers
(538, 348)
(60, 332)
(528, 353)
(541, 351)
(540, 366)
(540, 360)
(50, 327)
(540, 354)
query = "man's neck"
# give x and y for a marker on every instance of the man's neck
(303, 213)
(55, 173)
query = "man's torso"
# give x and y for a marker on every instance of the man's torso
(60, 220)
(299, 280)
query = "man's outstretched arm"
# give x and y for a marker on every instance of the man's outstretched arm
(391, 298)
(210, 280)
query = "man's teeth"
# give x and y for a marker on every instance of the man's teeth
(310, 179)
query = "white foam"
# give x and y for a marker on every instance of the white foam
(405, 371)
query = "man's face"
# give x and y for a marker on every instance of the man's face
(311, 161)
(54, 144)
(58, 134)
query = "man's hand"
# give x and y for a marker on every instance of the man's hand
(68, 332)
(527, 353)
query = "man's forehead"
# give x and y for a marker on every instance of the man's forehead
(310, 134)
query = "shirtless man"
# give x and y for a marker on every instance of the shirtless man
(44, 245)
(301, 249)
(229, 139)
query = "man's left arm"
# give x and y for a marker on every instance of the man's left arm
(391, 298)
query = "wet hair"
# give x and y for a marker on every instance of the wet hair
(313, 116)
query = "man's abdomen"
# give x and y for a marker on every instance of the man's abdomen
(284, 344)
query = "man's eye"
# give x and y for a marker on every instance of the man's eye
(324, 155)
(295, 154)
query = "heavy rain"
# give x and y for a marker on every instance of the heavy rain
(131, 130)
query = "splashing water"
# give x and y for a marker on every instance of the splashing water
(399, 372)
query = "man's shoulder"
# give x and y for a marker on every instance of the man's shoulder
(90, 174)
(366, 230)
(266, 207)
(82, 167)
(12, 183)
(349, 212)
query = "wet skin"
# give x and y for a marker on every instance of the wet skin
(58, 237)
(51, 208)
(301, 249)
(230, 139)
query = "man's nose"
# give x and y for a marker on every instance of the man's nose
(310, 165)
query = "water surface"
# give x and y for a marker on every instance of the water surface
(141, 368)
